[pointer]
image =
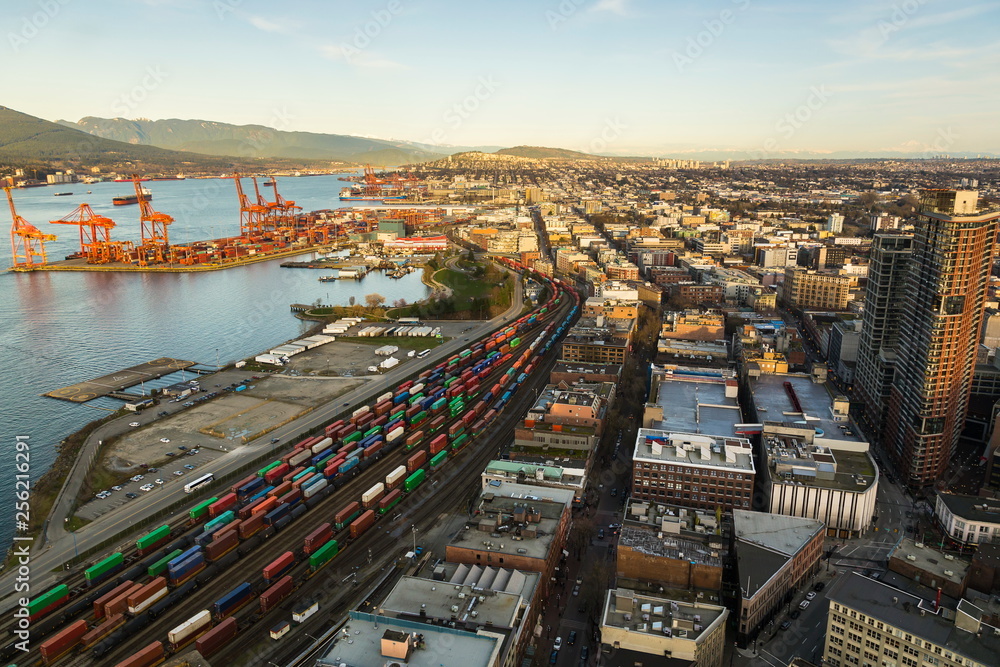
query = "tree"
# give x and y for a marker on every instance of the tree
(867, 199)
(471, 256)
(374, 300)
(399, 303)
(351, 300)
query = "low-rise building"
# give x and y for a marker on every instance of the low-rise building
(693, 325)
(929, 567)
(498, 473)
(872, 622)
(570, 373)
(670, 630)
(968, 519)
(806, 288)
(774, 555)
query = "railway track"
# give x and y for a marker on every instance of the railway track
(213, 584)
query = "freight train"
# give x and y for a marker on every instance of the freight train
(438, 413)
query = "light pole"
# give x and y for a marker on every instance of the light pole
(75, 553)
(413, 529)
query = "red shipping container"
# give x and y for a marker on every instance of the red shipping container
(405, 385)
(286, 459)
(364, 420)
(466, 375)
(119, 604)
(291, 497)
(270, 598)
(469, 418)
(412, 412)
(438, 421)
(416, 460)
(146, 592)
(217, 637)
(330, 471)
(251, 526)
(362, 523)
(383, 407)
(99, 632)
(318, 538)
(280, 490)
(222, 505)
(455, 429)
(222, 545)
(150, 655)
(276, 473)
(380, 421)
(330, 430)
(61, 643)
(342, 515)
(246, 480)
(346, 431)
(413, 439)
(290, 475)
(438, 444)
(373, 450)
(490, 416)
(389, 499)
(276, 567)
(301, 481)
(108, 597)
(456, 389)
(471, 388)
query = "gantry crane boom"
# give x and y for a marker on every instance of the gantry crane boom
(27, 242)
(95, 236)
(288, 210)
(251, 215)
(155, 239)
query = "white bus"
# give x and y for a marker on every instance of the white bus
(198, 483)
(408, 321)
(423, 353)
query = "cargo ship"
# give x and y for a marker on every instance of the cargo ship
(131, 199)
(355, 194)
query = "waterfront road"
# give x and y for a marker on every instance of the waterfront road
(62, 546)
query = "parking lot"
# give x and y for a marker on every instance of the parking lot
(185, 462)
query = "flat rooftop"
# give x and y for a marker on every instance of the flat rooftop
(676, 520)
(549, 474)
(694, 400)
(972, 508)
(929, 560)
(648, 540)
(360, 644)
(627, 609)
(774, 404)
(691, 449)
(415, 596)
(82, 392)
(765, 542)
(791, 461)
(584, 368)
(913, 615)
(495, 530)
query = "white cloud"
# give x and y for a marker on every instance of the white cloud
(269, 25)
(619, 7)
(359, 58)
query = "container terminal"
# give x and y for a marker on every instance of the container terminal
(270, 227)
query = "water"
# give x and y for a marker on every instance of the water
(62, 328)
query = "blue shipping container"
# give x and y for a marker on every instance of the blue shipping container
(402, 397)
(187, 554)
(271, 517)
(322, 455)
(260, 494)
(184, 567)
(347, 465)
(249, 488)
(232, 599)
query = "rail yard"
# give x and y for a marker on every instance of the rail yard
(241, 558)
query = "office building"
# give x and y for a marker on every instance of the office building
(805, 288)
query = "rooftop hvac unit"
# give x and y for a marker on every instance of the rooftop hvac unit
(919, 545)
(454, 608)
(910, 557)
(949, 573)
(949, 557)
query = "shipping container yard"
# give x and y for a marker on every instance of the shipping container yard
(234, 558)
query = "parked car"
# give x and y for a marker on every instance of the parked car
(554, 657)
(576, 591)
(600, 533)
(133, 424)
(171, 454)
(146, 487)
(572, 637)
(152, 469)
(159, 482)
(131, 495)
(810, 595)
(165, 440)
(820, 586)
(182, 448)
(189, 466)
(795, 613)
(786, 624)
(584, 653)
(116, 488)
(137, 478)
(178, 472)
(804, 604)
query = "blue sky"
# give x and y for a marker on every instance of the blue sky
(610, 76)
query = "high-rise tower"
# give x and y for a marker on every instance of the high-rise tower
(940, 322)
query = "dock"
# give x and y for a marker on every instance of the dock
(116, 383)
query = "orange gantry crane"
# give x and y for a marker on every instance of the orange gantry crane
(269, 218)
(27, 242)
(155, 245)
(288, 212)
(252, 216)
(95, 236)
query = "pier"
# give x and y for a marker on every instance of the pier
(116, 383)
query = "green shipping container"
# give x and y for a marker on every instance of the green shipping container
(105, 566)
(398, 415)
(48, 598)
(264, 471)
(465, 353)
(414, 480)
(322, 464)
(415, 398)
(304, 472)
(460, 441)
(323, 555)
(438, 404)
(450, 381)
(372, 431)
(418, 419)
(515, 342)
(160, 566)
(153, 537)
(354, 437)
(439, 458)
(201, 509)
(221, 520)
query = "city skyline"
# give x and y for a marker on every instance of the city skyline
(617, 77)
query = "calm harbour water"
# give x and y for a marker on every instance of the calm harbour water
(61, 328)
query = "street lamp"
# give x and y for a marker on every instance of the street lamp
(413, 529)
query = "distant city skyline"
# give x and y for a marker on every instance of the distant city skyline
(620, 77)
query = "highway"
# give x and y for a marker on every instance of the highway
(120, 520)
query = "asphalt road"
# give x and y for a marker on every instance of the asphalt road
(59, 550)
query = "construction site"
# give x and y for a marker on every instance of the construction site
(270, 227)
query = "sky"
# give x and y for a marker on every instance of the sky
(626, 77)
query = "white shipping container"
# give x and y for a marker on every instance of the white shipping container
(147, 603)
(304, 455)
(395, 476)
(395, 434)
(315, 488)
(384, 397)
(373, 494)
(300, 614)
(321, 445)
(416, 389)
(360, 411)
(189, 627)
